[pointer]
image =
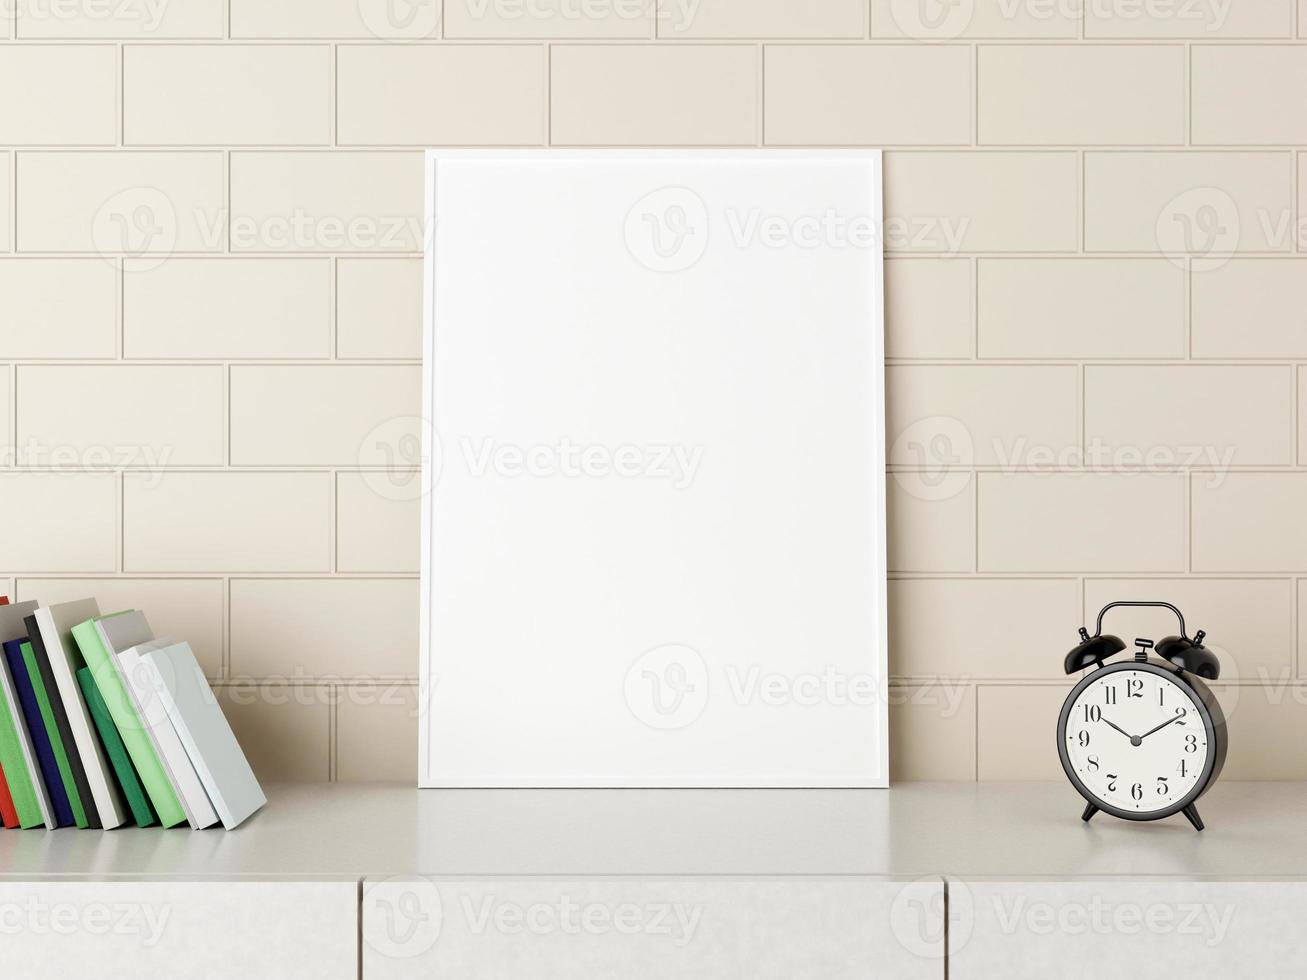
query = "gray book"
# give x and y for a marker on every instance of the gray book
(203, 729)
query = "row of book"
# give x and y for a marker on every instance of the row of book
(102, 725)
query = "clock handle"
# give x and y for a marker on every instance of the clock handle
(1098, 631)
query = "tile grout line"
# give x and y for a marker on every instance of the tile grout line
(225, 654)
(1188, 505)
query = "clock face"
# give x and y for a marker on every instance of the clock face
(1136, 740)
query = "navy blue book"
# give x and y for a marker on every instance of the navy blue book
(54, 782)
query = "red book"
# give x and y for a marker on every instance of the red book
(4, 600)
(7, 812)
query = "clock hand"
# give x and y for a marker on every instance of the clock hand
(1119, 729)
(1163, 725)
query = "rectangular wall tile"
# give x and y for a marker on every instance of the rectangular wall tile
(1239, 94)
(1302, 201)
(818, 94)
(137, 417)
(760, 18)
(1067, 95)
(187, 609)
(548, 19)
(1243, 418)
(379, 308)
(227, 522)
(8, 456)
(378, 522)
(1206, 204)
(928, 308)
(145, 20)
(227, 308)
(1248, 522)
(365, 19)
(1070, 522)
(1251, 308)
(1266, 723)
(984, 202)
(931, 522)
(963, 629)
(421, 95)
(284, 729)
(57, 308)
(1015, 731)
(113, 203)
(377, 734)
(1302, 629)
(898, 20)
(1250, 621)
(632, 94)
(989, 414)
(321, 415)
(233, 94)
(932, 733)
(1302, 415)
(296, 628)
(69, 521)
(1076, 308)
(67, 94)
(1199, 21)
(6, 202)
(326, 202)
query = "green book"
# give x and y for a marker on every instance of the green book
(52, 731)
(17, 775)
(117, 752)
(107, 672)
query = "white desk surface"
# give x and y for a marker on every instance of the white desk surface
(1007, 830)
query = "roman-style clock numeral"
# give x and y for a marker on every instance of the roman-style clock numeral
(1161, 695)
(1109, 694)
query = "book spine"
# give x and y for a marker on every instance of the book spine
(129, 725)
(52, 735)
(80, 789)
(8, 814)
(48, 766)
(17, 775)
(117, 752)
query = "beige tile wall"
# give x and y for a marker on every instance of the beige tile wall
(210, 321)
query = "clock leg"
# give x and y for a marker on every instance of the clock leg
(1191, 812)
(1090, 810)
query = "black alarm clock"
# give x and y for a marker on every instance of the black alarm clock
(1144, 738)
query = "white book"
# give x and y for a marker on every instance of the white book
(204, 731)
(12, 627)
(56, 624)
(149, 705)
(123, 632)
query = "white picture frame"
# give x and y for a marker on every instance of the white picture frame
(653, 466)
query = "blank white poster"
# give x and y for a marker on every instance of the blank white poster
(654, 498)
